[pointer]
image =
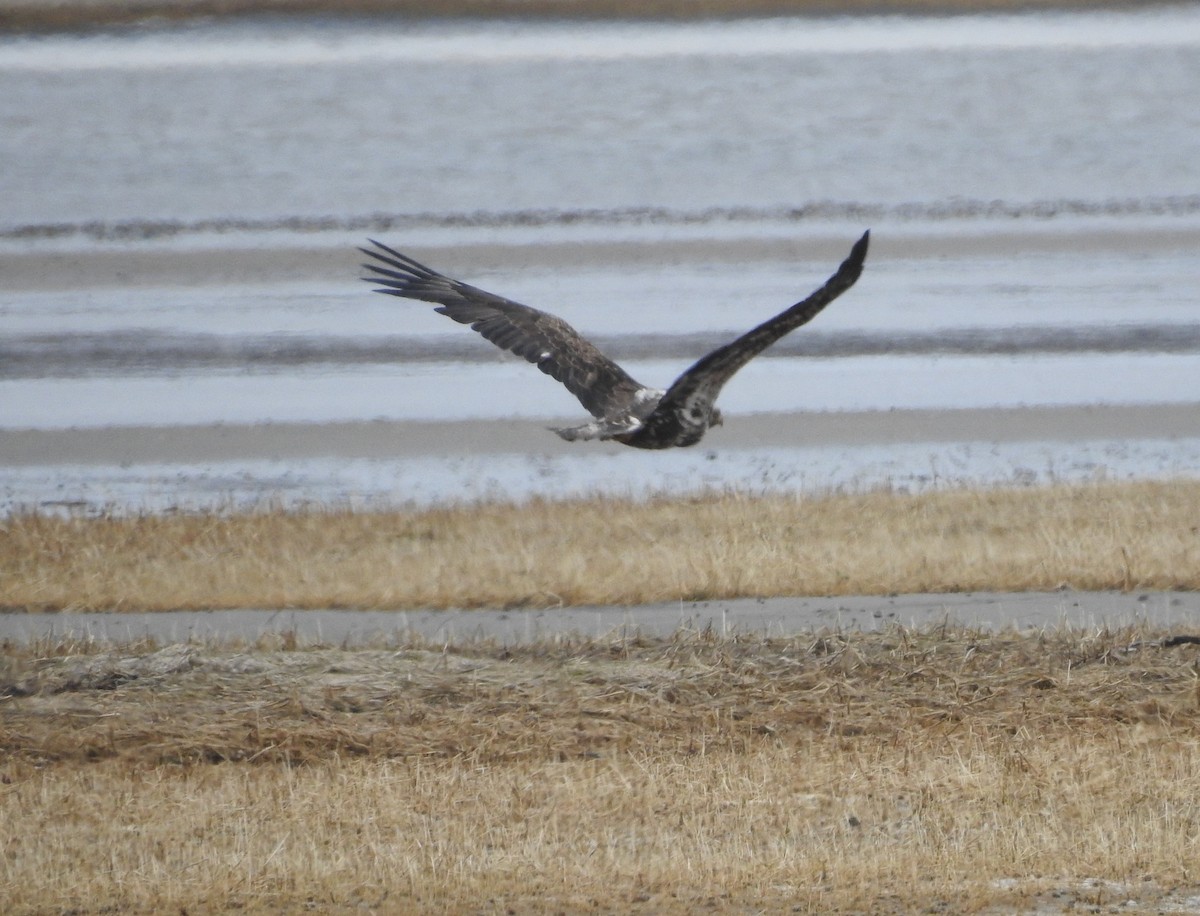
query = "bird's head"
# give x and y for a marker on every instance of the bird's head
(716, 419)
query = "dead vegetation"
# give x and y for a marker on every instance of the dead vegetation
(604, 551)
(934, 771)
(942, 770)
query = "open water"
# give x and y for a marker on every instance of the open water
(1031, 181)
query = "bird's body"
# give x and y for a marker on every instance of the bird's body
(625, 410)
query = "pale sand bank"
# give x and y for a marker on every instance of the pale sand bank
(399, 440)
(47, 15)
(209, 260)
(1176, 611)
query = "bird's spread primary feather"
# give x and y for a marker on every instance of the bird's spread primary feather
(625, 410)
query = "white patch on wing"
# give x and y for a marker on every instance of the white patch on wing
(599, 429)
(647, 395)
(695, 406)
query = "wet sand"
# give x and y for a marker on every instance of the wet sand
(49, 15)
(386, 439)
(258, 261)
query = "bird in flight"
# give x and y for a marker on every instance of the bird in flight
(625, 410)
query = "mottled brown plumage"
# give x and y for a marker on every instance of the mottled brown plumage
(625, 410)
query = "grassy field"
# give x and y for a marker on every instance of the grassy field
(939, 771)
(902, 771)
(605, 551)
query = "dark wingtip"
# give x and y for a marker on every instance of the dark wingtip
(375, 268)
(394, 258)
(380, 250)
(372, 253)
(853, 265)
(859, 250)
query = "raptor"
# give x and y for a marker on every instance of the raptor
(624, 410)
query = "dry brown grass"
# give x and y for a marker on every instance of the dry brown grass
(906, 771)
(607, 551)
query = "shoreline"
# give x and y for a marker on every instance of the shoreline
(33, 16)
(401, 439)
(38, 266)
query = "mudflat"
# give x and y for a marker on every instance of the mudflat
(74, 14)
(398, 439)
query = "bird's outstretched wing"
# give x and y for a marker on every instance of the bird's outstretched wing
(603, 387)
(699, 386)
